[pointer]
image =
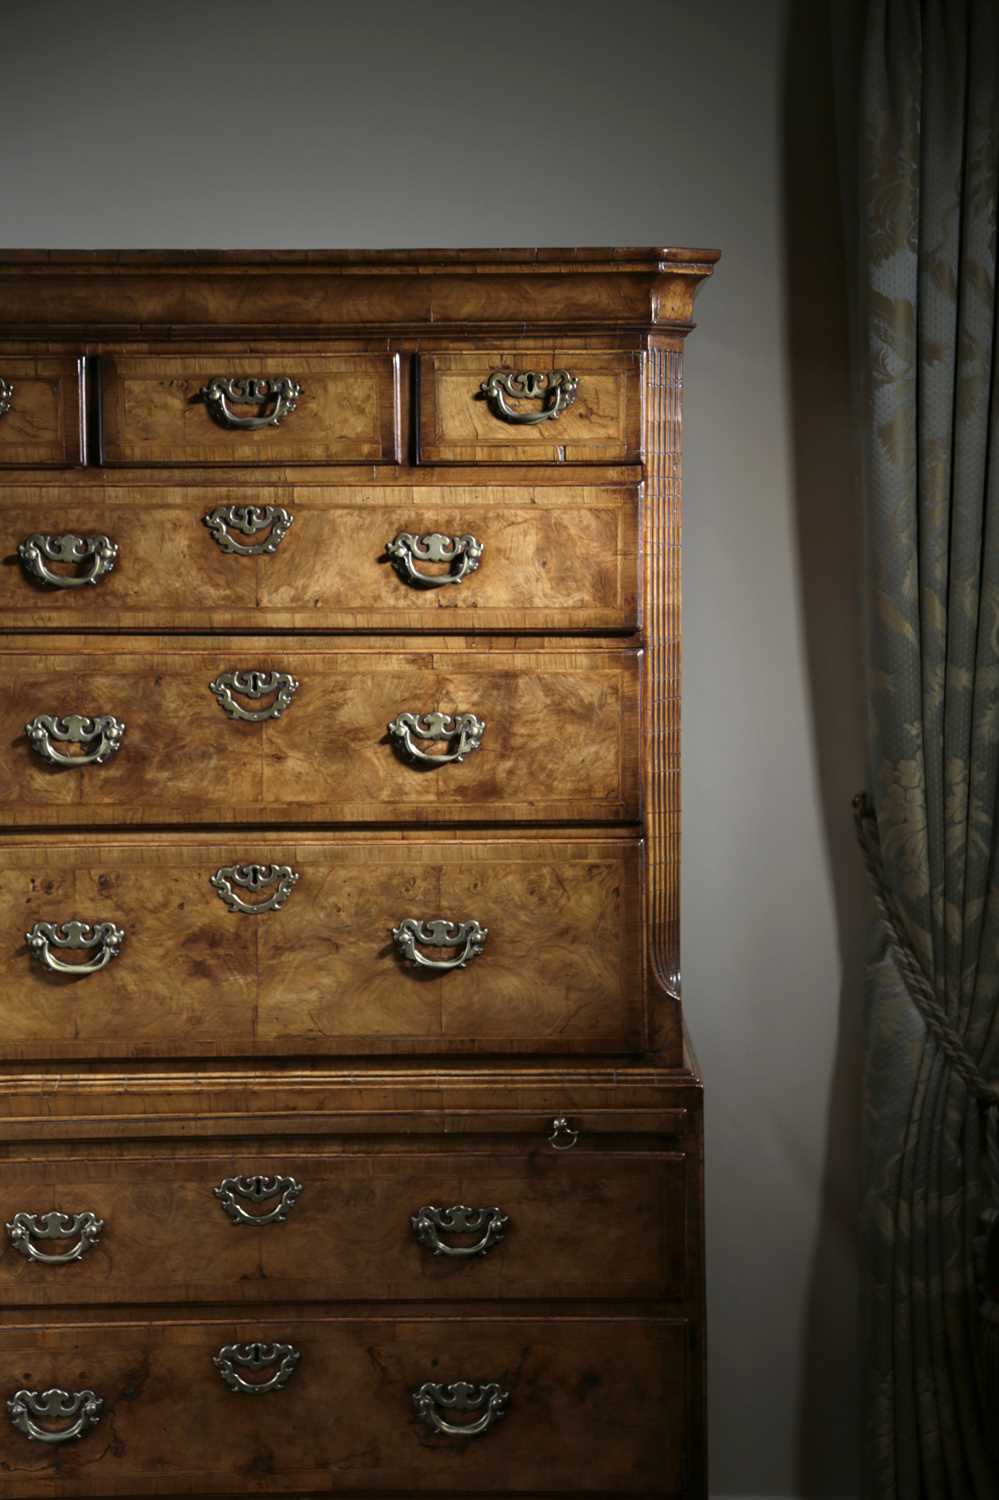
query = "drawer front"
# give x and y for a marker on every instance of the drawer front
(172, 1227)
(267, 408)
(588, 1404)
(40, 411)
(548, 933)
(559, 742)
(538, 405)
(541, 558)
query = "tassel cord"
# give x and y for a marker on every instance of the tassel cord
(920, 988)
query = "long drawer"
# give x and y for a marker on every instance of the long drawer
(594, 1404)
(248, 1222)
(542, 557)
(376, 944)
(271, 732)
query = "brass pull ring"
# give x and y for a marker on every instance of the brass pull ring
(249, 520)
(464, 554)
(54, 1405)
(465, 730)
(254, 878)
(103, 731)
(106, 937)
(557, 389)
(40, 548)
(223, 392)
(258, 1190)
(428, 1224)
(85, 1229)
(470, 937)
(254, 685)
(231, 1358)
(431, 1399)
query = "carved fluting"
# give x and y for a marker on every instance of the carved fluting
(661, 660)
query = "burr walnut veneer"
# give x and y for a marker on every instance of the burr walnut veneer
(350, 1140)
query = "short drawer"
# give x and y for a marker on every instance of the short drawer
(533, 558)
(41, 411)
(267, 947)
(265, 408)
(270, 732)
(250, 1224)
(356, 1404)
(537, 405)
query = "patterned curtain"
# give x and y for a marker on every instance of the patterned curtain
(928, 100)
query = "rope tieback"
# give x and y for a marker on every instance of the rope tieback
(919, 987)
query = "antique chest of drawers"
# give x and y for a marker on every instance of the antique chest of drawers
(342, 1054)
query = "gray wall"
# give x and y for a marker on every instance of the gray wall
(518, 123)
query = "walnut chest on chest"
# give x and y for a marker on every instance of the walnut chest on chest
(350, 1138)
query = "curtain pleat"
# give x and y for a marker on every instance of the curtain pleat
(928, 97)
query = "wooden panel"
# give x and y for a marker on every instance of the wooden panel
(597, 1405)
(553, 558)
(43, 425)
(457, 425)
(268, 291)
(152, 412)
(585, 1223)
(560, 970)
(560, 741)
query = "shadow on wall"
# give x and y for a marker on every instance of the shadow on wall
(829, 542)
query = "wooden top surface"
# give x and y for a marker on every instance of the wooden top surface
(102, 294)
(623, 257)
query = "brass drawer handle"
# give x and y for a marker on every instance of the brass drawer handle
(78, 936)
(431, 1399)
(407, 548)
(249, 520)
(103, 731)
(564, 1134)
(256, 1357)
(254, 685)
(54, 1406)
(464, 729)
(254, 878)
(430, 1223)
(557, 389)
(85, 1229)
(258, 1190)
(223, 392)
(439, 933)
(40, 548)
(6, 396)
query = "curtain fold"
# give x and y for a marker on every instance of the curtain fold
(928, 178)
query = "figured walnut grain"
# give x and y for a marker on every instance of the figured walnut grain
(604, 1396)
(561, 971)
(166, 1238)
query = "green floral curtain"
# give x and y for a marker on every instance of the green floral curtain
(928, 101)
